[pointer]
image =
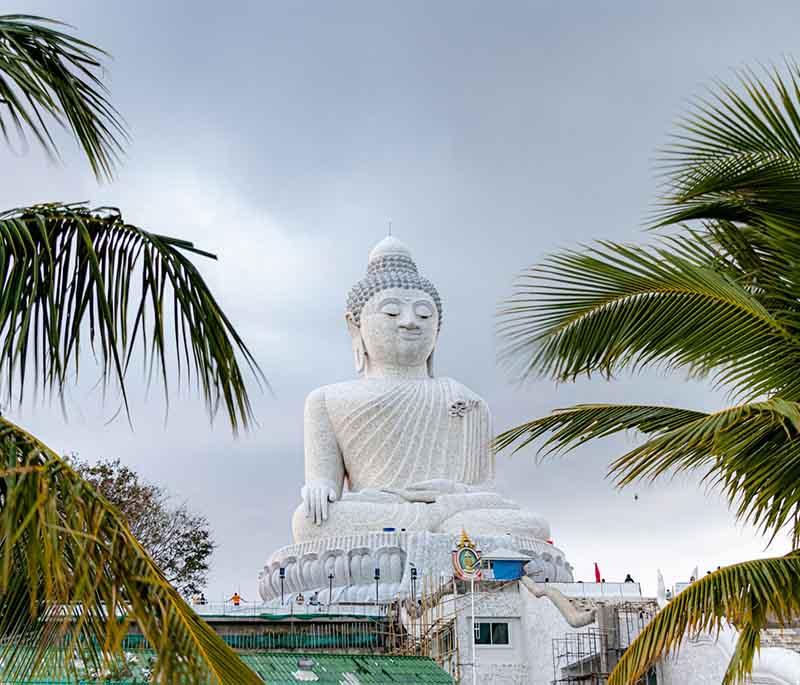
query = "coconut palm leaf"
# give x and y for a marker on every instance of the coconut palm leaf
(719, 297)
(750, 451)
(573, 426)
(73, 579)
(72, 576)
(752, 595)
(47, 74)
(71, 276)
(741, 663)
(738, 151)
(736, 167)
(617, 306)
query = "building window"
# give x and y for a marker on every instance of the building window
(491, 633)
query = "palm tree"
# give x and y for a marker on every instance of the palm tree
(715, 295)
(72, 576)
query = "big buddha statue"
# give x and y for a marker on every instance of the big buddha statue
(400, 447)
(397, 451)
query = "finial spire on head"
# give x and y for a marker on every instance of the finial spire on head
(390, 247)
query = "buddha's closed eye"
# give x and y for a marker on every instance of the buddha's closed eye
(423, 311)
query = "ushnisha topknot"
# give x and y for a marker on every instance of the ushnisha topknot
(390, 266)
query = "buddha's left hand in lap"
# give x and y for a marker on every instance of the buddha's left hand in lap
(429, 491)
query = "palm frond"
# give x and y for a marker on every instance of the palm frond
(573, 426)
(750, 451)
(618, 306)
(738, 160)
(46, 73)
(764, 121)
(70, 275)
(750, 595)
(741, 662)
(719, 297)
(73, 579)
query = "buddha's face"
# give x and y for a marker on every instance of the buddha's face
(399, 327)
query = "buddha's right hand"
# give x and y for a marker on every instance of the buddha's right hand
(317, 494)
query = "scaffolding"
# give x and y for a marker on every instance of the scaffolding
(577, 658)
(588, 657)
(425, 624)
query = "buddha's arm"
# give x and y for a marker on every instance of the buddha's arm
(324, 464)
(486, 464)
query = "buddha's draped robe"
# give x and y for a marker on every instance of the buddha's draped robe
(399, 434)
(393, 449)
(416, 455)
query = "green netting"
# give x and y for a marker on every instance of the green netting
(361, 639)
(133, 669)
(281, 669)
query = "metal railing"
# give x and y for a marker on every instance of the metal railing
(290, 609)
(580, 589)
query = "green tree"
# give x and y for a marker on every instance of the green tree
(715, 295)
(177, 539)
(75, 281)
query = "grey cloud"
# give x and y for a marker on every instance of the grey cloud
(283, 136)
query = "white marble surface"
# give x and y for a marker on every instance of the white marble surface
(398, 447)
(702, 660)
(353, 559)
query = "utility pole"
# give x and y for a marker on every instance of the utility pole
(474, 658)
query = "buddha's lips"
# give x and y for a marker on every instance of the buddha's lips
(410, 333)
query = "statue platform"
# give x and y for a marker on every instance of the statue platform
(352, 559)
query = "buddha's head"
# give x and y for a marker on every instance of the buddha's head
(393, 314)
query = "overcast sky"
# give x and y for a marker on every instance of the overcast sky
(283, 136)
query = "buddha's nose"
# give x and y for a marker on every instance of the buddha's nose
(409, 323)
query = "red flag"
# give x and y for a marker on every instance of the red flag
(596, 573)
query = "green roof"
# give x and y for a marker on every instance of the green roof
(279, 668)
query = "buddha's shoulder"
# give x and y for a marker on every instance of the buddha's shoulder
(337, 392)
(458, 388)
(361, 389)
(376, 386)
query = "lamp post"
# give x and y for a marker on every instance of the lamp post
(474, 657)
(414, 584)
(282, 575)
(377, 580)
(330, 590)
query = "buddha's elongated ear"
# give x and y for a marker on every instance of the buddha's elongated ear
(359, 349)
(430, 365)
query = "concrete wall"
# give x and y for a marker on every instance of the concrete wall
(535, 623)
(542, 622)
(494, 665)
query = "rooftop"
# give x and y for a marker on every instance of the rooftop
(291, 668)
(503, 554)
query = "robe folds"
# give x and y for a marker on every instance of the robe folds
(398, 435)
